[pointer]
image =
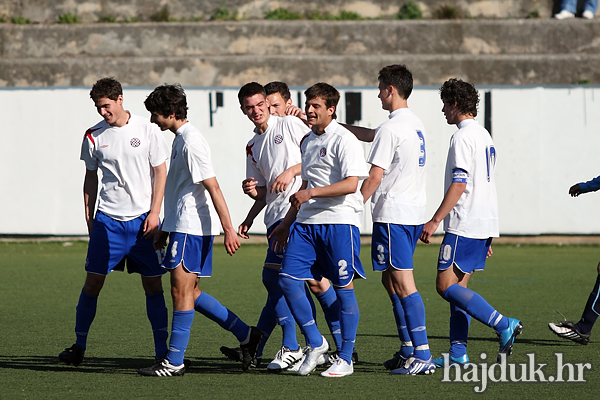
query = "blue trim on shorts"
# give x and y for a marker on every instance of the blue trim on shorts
(467, 254)
(393, 245)
(193, 252)
(323, 250)
(112, 242)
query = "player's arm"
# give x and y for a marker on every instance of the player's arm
(252, 214)
(363, 134)
(286, 177)
(90, 193)
(341, 188)
(152, 221)
(281, 233)
(585, 187)
(451, 197)
(371, 183)
(231, 241)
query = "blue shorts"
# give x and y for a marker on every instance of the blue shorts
(193, 252)
(272, 257)
(329, 250)
(393, 245)
(112, 242)
(468, 254)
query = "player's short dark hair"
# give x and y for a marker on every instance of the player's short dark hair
(166, 100)
(325, 91)
(398, 76)
(278, 87)
(462, 93)
(249, 90)
(108, 88)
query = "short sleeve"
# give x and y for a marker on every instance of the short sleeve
(351, 157)
(383, 148)
(461, 154)
(198, 157)
(87, 153)
(159, 150)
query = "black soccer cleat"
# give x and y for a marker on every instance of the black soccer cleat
(163, 368)
(234, 354)
(567, 330)
(249, 349)
(72, 356)
(396, 362)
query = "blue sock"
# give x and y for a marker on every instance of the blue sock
(591, 310)
(476, 306)
(159, 319)
(406, 348)
(414, 311)
(295, 296)
(349, 321)
(312, 308)
(459, 331)
(180, 336)
(84, 316)
(331, 308)
(212, 309)
(282, 312)
(266, 323)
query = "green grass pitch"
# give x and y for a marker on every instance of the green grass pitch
(41, 282)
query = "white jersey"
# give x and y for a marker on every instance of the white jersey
(475, 215)
(327, 159)
(272, 152)
(399, 148)
(188, 205)
(126, 156)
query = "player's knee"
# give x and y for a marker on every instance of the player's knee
(318, 287)
(93, 284)
(152, 285)
(441, 287)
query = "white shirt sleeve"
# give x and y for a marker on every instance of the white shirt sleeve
(462, 151)
(352, 159)
(87, 154)
(198, 158)
(159, 150)
(383, 148)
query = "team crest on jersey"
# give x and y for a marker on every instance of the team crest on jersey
(278, 139)
(135, 142)
(323, 152)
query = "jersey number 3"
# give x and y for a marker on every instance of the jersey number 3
(422, 156)
(490, 158)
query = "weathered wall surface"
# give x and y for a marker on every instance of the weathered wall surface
(47, 11)
(490, 52)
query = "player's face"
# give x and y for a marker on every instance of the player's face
(164, 123)
(110, 110)
(385, 95)
(318, 114)
(451, 113)
(277, 104)
(256, 109)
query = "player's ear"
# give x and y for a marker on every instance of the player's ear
(288, 102)
(120, 99)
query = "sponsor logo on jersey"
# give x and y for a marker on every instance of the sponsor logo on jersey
(135, 142)
(104, 146)
(323, 152)
(278, 139)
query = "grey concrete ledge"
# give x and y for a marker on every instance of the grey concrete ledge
(234, 71)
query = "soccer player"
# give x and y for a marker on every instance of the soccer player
(325, 240)
(131, 154)
(580, 332)
(469, 210)
(396, 185)
(193, 204)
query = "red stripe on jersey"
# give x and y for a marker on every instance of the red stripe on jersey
(88, 134)
(249, 151)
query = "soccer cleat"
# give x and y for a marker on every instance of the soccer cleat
(312, 358)
(338, 369)
(396, 362)
(323, 359)
(588, 15)
(163, 368)
(234, 354)
(249, 349)
(285, 358)
(73, 355)
(463, 361)
(507, 337)
(414, 366)
(568, 330)
(333, 357)
(564, 14)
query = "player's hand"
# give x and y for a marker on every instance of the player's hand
(428, 230)
(280, 237)
(160, 239)
(244, 228)
(293, 110)
(282, 181)
(231, 241)
(575, 190)
(489, 253)
(249, 186)
(300, 197)
(150, 226)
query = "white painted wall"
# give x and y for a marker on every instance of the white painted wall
(546, 139)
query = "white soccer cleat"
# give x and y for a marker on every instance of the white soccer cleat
(285, 358)
(564, 14)
(588, 15)
(313, 357)
(338, 369)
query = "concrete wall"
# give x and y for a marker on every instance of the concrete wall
(47, 11)
(546, 138)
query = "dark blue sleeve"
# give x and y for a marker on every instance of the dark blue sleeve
(590, 186)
